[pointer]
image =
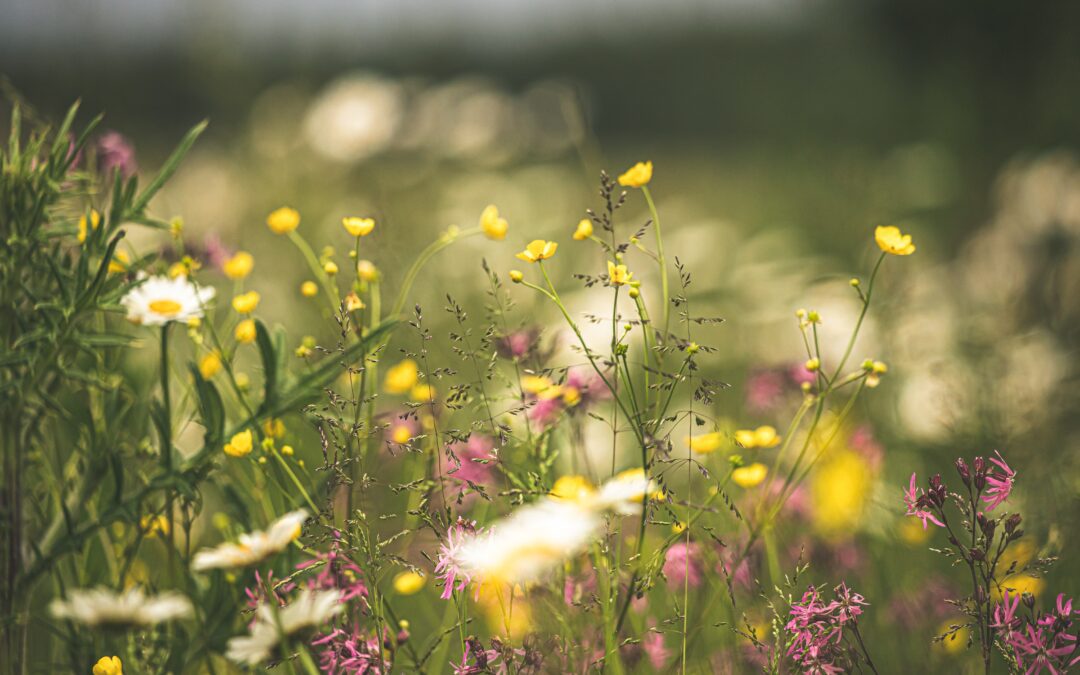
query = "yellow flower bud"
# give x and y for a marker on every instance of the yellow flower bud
(516, 276)
(813, 365)
(309, 289)
(283, 220)
(245, 332)
(402, 377)
(408, 583)
(287, 450)
(209, 365)
(750, 476)
(95, 222)
(365, 269)
(239, 266)
(330, 267)
(492, 225)
(245, 303)
(584, 229)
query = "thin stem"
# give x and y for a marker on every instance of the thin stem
(661, 259)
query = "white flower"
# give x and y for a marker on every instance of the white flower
(254, 546)
(98, 606)
(308, 610)
(159, 300)
(624, 493)
(530, 542)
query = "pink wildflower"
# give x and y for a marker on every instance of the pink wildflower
(454, 577)
(916, 504)
(682, 564)
(999, 482)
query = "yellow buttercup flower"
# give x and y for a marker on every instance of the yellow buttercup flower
(706, 443)
(912, 532)
(365, 269)
(618, 274)
(245, 332)
(422, 393)
(274, 427)
(401, 377)
(353, 302)
(584, 229)
(956, 642)
(330, 267)
(119, 262)
(538, 250)
(571, 396)
(240, 444)
(401, 433)
(1019, 584)
(891, 240)
(108, 665)
(95, 222)
(750, 476)
(358, 227)
(408, 583)
(245, 303)
(153, 525)
(493, 226)
(283, 220)
(309, 289)
(239, 266)
(762, 437)
(637, 176)
(840, 490)
(573, 488)
(541, 387)
(209, 365)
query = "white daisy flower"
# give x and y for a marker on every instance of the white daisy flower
(625, 493)
(253, 547)
(537, 538)
(159, 300)
(102, 606)
(309, 610)
(530, 542)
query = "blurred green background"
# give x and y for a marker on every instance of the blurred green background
(781, 131)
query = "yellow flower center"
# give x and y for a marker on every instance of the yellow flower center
(165, 307)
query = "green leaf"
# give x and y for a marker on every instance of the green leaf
(270, 366)
(309, 386)
(169, 168)
(211, 409)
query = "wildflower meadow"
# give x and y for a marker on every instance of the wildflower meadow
(587, 435)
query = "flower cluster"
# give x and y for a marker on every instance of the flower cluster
(1046, 640)
(818, 642)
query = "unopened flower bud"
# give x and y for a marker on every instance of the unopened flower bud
(1029, 600)
(1012, 523)
(977, 554)
(516, 276)
(813, 317)
(330, 267)
(800, 313)
(634, 293)
(963, 470)
(854, 282)
(813, 365)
